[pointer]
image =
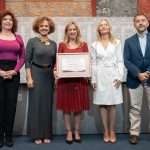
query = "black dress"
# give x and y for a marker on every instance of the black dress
(41, 96)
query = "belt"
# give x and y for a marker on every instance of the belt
(44, 66)
(103, 65)
(107, 65)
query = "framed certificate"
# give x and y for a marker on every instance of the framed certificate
(73, 65)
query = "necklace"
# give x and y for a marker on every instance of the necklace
(45, 41)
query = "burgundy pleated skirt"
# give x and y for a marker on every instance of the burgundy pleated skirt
(72, 95)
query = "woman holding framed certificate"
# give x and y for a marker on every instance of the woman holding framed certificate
(72, 93)
(107, 74)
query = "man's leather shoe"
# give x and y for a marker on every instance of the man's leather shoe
(133, 139)
(9, 142)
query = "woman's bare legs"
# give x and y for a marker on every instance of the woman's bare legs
(67, 117)
(104, 118)
(77, 119)
(108, 117)
(112, 121)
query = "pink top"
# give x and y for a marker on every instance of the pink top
(13, 50)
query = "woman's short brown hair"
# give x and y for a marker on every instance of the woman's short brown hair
(15, 22)
(39, 20)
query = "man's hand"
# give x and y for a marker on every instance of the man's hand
(143, 76)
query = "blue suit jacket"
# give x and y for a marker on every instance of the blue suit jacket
(134, 60)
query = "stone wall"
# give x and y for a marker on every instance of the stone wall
(77, 8)
(116, 8)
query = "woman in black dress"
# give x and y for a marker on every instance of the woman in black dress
(40, 60)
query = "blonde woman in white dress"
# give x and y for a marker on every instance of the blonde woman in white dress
(107, 74)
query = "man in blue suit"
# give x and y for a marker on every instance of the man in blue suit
(137, 62)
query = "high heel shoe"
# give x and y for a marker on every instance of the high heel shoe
(69, 141)
(106, 140)
(9, 142)
(76, 132)
(112, 138)
(106, 137)
(47, 141)
(1, 141)
(38, 141)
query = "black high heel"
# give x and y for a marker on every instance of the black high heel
(69, 141)
(1, 141)
(77, 140)
(9, 142)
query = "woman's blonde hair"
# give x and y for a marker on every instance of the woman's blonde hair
(79, 40)
(98, 34)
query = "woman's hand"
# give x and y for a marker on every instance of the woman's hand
(11, 73)
(117, 83)
(94, 86)
(30, 83)
(55, 84)
(56, 75)
(3, 74)
(7, 74)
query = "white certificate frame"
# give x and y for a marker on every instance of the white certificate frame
(73, 74)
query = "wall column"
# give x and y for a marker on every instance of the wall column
(2, 5)
(144, 8)
(93, 7)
